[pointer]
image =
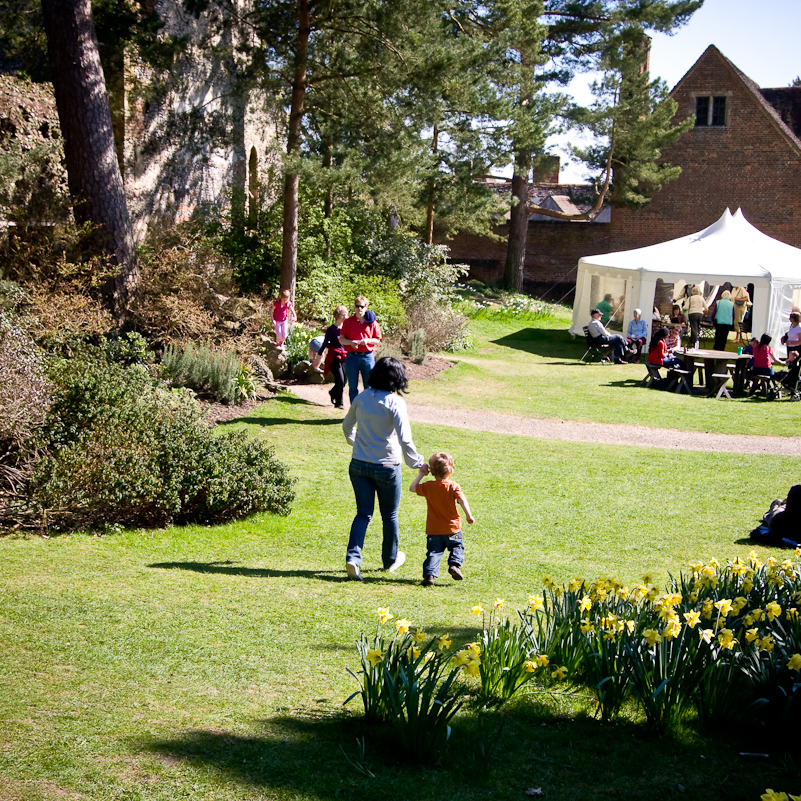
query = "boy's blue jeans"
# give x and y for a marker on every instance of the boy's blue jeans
(357, 364)
(435, 547)
(370, 479)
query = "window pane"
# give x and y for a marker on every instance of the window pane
(718, 111)
(701, 111)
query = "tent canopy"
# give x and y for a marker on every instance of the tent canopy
(730, 250)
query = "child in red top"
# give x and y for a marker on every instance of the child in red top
(443, 524)
(283, 311)
(764, 356)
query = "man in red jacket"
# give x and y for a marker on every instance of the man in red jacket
(360, 338)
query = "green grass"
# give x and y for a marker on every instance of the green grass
(211, 662)
(530, 365)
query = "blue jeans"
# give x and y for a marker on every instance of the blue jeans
(356, 364)
(370, 479)
(435, 547)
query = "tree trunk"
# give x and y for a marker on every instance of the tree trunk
(289, 250)
(93, 171)
(518, 223)
(432, 189)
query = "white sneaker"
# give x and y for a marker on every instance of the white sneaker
(353, 571)
(399, 560)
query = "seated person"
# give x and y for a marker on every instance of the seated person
(764, 356)
(677, 318)
(637, 333)
(606, 308)
(785, 523)
(673, 339)
(599, 332)
(657, 352)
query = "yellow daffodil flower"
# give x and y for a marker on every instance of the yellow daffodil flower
(771, 795)
(413, 653)
(751, 635)
(559, 674)
(499, 603)
(706, 635)
(630, 626)
(726, 639)
(477, 610)
(461, 659)
(713, 563)
(766, 643)
(758, 614)
(651, 636)
(748, 585)
(585, 604)
(706, 609)
(586, 626)
(692, 618)
(791, 613)
(443, 643)
(773, 610)
(723, 606)
(740, 602)
(543, 661)
(384, 614)
(419, 636)
(473, 647)
(373, 656)
(535, 603)
(429, 656)
(402, 625)
(472, 668)
(795, 662)
(529, 666)
(647, 579)
(672, 629)
(575, 584)
(547, 581)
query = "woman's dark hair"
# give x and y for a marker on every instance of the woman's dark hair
(657, 337)
(765, 340)
(389, 374)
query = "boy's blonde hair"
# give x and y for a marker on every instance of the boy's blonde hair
(441, 465)
(340, 311)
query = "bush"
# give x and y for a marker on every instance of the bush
(203, 370)
(444, 327)
(123, 450)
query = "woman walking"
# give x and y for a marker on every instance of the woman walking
(377, 426)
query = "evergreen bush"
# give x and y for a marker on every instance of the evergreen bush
(120, 449)
(203, 370)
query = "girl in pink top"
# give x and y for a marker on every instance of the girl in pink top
(283, 311)
(764, 356)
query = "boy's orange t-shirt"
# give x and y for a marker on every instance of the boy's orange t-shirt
(443, 516)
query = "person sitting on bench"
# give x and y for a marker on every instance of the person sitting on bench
(599, 332)
(657, 352)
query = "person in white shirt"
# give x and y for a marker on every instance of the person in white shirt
(598, 331)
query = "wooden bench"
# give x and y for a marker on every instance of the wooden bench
(719, 386)
(653, 378)
(679, 381)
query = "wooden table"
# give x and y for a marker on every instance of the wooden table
(715, 361)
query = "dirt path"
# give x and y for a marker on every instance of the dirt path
(552, 428)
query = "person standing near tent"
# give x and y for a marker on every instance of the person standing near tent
(742, 301)
(724, 319)
(606, 308)
(696, 309)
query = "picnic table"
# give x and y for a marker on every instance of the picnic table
(714, 362)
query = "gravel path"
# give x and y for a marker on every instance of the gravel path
(553, 428)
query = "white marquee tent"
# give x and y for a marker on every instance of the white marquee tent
(730, 250)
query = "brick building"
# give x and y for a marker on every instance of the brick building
(744, 152)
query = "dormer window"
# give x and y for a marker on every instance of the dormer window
(710, 110)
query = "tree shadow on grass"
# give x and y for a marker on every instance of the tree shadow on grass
(545, 342)
(230, 568)
(284, 399)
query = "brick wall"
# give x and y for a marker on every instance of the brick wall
(748, 163)
(552, 253)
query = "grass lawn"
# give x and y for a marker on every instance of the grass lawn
(210, 663)
(531, 366)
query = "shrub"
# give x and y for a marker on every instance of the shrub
(417, 346)
(123, 450)
(444, 327)
(203, 370)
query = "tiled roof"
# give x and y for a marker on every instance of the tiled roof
(579, 198)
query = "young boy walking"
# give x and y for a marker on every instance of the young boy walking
(443, 524)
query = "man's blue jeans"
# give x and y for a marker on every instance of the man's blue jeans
(358, 364)
(436, 546)
(370, 479)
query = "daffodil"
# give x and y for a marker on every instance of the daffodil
(751, 635)
(706, 609)
(706, 635)
(472, 668)
(647, 579)
(771, 795)
(585, 604)
(461, 659)
(384, 614)
(402, 625)
(651, 636)
(443, 643)
(748, 585)
(773, 610)
(413, 653)
(419, 636)
(543, 661)
(791, 613)
(529, 666)
(586, 626)
(692, 618)
(429, 656)
(559, 674)
(726, 639)
(672, 629)
(795, 662)
(575, 584)
(766, 643)
(473, 647)
(758, 614)
(535, 603)
(723, 606)
(499, 603)
(373, 656)
(477, 610)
